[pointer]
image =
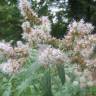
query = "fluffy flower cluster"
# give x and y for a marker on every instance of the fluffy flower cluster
(80, 28)
(27, 12)
(76, 32)
(85, 78)
(15, 57)
(21, 51)
(6, 48)
(10, 67)
(81, 45)
(51, 56)
(38, 34)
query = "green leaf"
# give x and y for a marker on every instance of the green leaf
(61, 72)
(7, 91)
(46, 84)
(23, 86)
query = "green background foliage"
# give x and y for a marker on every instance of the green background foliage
(11, 20)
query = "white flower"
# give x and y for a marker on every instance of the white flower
(51, 56)
(80, 27)
(6, 48)
(10, 67)
(36, 36)
(27, 12)
(84, 27)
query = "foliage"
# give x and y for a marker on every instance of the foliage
(9, 20)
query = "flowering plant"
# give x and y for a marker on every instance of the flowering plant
(45, 62)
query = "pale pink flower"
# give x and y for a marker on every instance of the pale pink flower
(51, 56)
(6, 48)
(10, 67)
(80, 27)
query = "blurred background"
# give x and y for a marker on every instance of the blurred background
(60, 12)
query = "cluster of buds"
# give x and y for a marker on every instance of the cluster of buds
(21, 50)
(27, 12)
(76, 32)
(85, 78)
(79, 40)
(6, 49)
(10, 67)
(15, 57)
(51, 56)
(80, 28)
(39, 33)
(82, 44)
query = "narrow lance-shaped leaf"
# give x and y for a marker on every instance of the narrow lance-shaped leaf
(61, 72)
(46, 84)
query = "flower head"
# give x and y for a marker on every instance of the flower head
(10, 67)
(81, 28)
(51, 56)
(27, 12)
(6, 48)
